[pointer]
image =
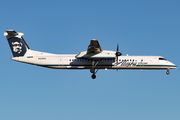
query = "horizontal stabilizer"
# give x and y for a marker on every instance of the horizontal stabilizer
(12, 32)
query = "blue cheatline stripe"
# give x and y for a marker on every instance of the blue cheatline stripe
(104, 65)
(97, 57)
(73, 65)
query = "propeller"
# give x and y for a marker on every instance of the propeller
(117, 54)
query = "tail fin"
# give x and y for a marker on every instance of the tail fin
(16, 42)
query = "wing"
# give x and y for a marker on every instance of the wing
(94, 52)
(94, 47)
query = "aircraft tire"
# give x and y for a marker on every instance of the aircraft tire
(93, 76)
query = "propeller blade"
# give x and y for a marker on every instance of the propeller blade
(116, 60)
(117, 48)
(117, 54)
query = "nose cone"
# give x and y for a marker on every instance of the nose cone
(173, 66)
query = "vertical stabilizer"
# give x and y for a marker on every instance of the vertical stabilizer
(16, 42)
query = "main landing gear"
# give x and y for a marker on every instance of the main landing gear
(167, 71)
(92, 70)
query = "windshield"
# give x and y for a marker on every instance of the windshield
(162, 59)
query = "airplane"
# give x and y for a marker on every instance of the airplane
(93, 59)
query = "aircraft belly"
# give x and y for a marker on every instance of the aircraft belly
(55, 67)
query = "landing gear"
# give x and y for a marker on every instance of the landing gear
(167, 72)
(93, 76)
(92, 70)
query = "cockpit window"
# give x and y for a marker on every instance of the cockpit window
(162, 58)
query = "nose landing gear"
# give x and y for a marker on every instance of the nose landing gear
(167, 72)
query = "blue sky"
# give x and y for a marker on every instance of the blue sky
(140, 27)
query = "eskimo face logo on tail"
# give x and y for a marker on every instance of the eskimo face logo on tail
(17, 47)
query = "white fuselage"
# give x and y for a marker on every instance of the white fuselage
(60, 61)
(94, 58)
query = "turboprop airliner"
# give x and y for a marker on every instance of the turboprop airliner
(93, 59)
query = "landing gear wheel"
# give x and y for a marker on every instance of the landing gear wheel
(94, 73)
(93, 76)
(167, 72)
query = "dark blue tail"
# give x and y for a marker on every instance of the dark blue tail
(16, 42)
